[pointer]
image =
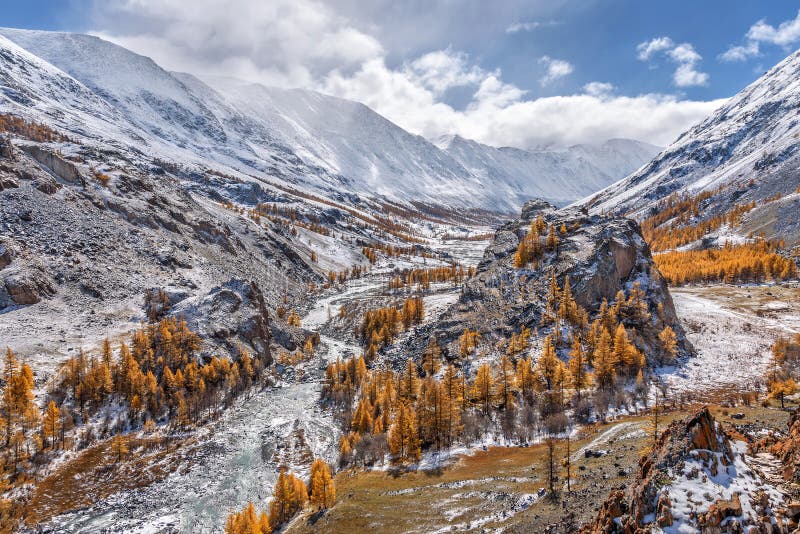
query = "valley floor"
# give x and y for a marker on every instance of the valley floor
(501, 489)
(732, 329)
(230, 461)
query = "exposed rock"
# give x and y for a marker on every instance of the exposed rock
(6, 255)
(47, 185)
(6, 148)
(27, 284)
(293, 450)
(600, 255)
(230, 316)
(62, 168)
(647, 506)
(719, 511)
(787, 449)
(534, 207)
(663, 511)
(8, 182)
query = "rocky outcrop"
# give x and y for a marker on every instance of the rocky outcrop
(228, 317)
(693, 462)
(600, 255)
(60, 167)
(534, 207)
(787, 449)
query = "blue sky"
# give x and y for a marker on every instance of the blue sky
(502, 73)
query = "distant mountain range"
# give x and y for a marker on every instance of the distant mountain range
(99, 91)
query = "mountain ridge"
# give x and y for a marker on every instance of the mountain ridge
(306, 138)
(746, 151)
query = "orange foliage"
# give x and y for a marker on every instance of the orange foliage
(755, 262)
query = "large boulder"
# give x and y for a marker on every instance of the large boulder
(6, 254)
(6, 148)
(24, 284)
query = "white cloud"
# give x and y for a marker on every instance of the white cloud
(687, 76)
(501, 114)
(443, 69)
(786, 34)
(598, 88)
(280, 42)
(556, 68)
(648, 48)
(310, 44)
(684, 54)
(741, 53)
(530, 26)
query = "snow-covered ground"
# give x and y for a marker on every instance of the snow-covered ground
(732, 329)
(695, 487)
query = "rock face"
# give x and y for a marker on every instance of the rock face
(60, 167)
(230, 316)
(600, 255)
(788, 449)
(27, 285)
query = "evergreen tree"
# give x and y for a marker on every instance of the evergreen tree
(248, 521)
(669, 343)
(119, 447)
(579, 377)
(431, 358)
(603, 362)
(403, 436)
(548, 366)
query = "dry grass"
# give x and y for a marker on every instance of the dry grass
(493, 481)
(94, 475)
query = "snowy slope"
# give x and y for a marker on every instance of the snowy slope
(754, 136)
(351, 140)
(552, 174)
(101, 91)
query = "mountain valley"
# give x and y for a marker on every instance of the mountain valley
(219, 298)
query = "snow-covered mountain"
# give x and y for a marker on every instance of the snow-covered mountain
(558, 174)
(98, 90)
(747, 150)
